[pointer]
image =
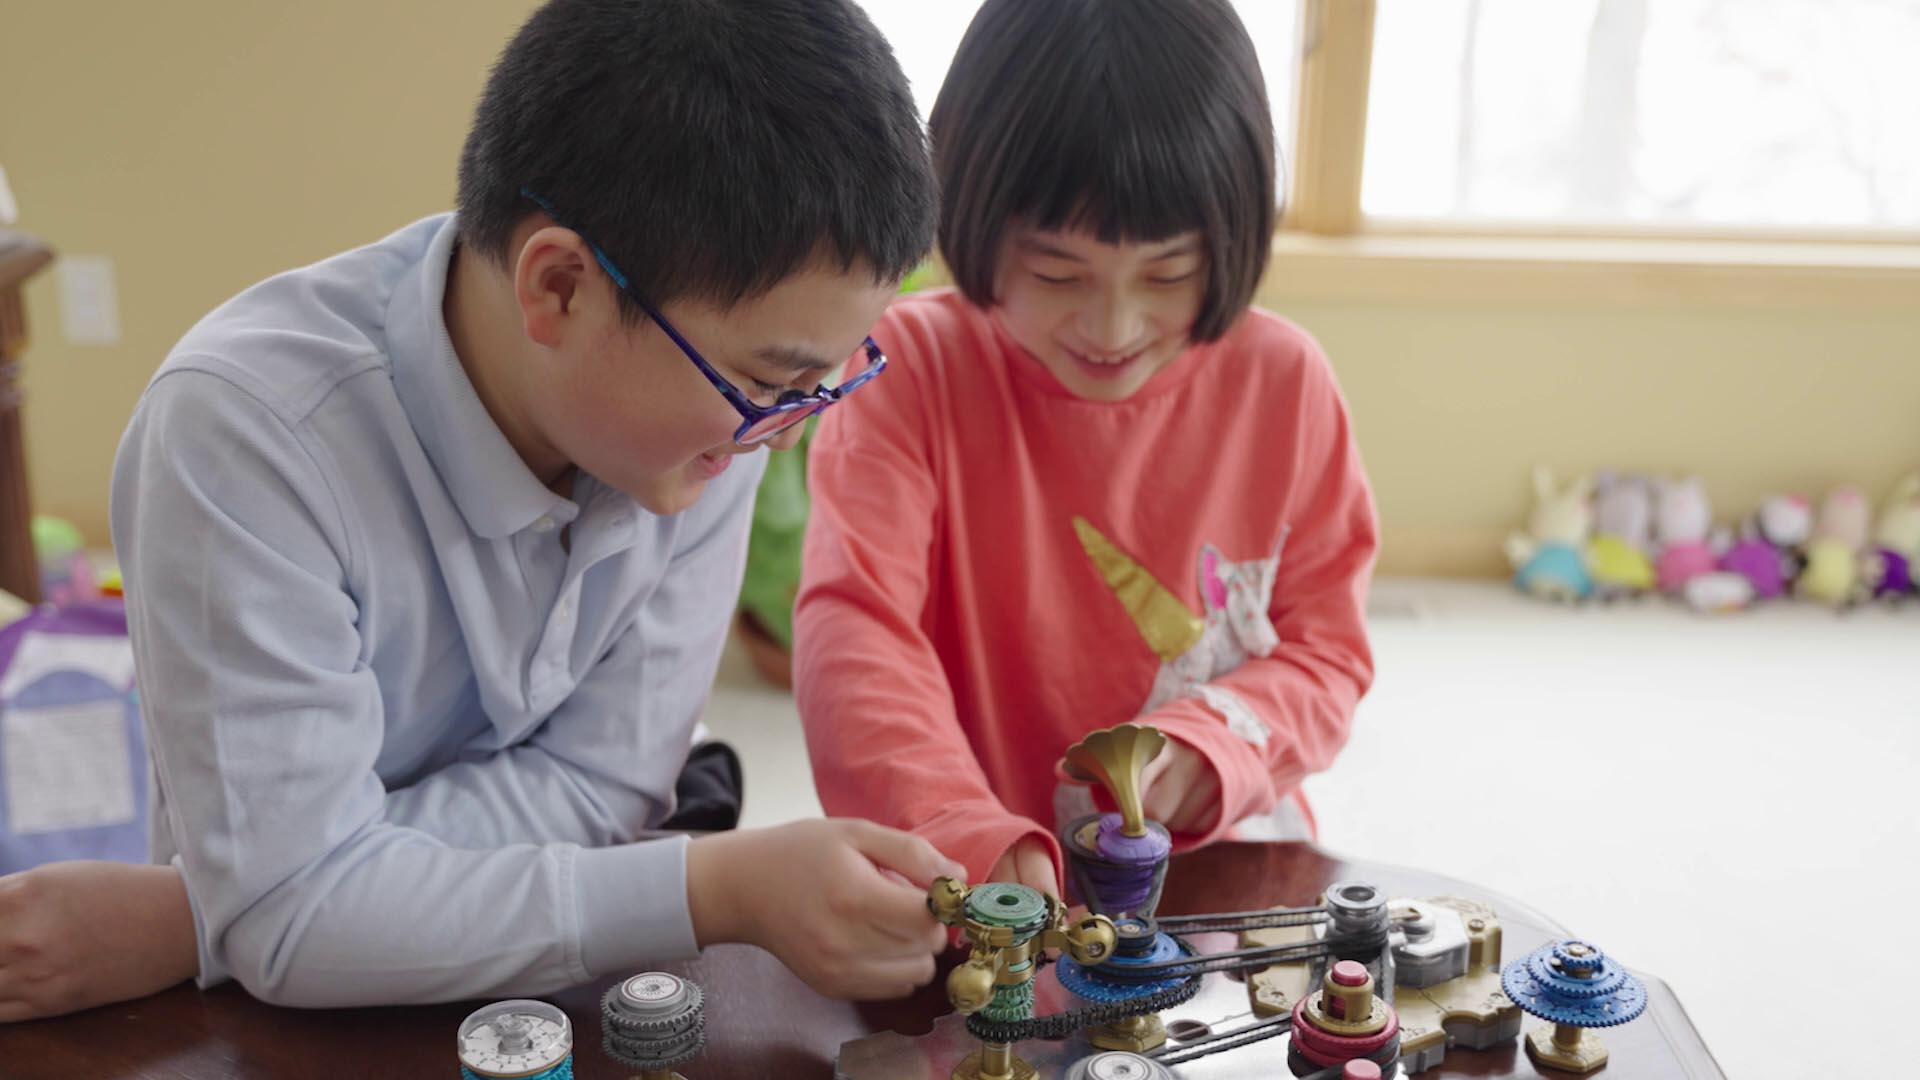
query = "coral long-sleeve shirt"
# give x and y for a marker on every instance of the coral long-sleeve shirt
(995, 567)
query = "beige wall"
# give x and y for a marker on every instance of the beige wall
(203, 145)
(1453, 405)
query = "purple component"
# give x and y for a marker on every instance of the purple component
(1896, 575)
(1134, 850)
(1760, 563)
(1118, 889)
(1125, 868)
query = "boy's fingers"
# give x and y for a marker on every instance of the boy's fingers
(908, 855)
(889, 979)
(914, 971)
(939, 939)
(900, 914)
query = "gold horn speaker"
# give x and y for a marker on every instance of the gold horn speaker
(1114, 759)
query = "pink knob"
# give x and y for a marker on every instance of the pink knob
(1350, 973)
(1360, 1070)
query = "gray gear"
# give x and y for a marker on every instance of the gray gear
(654, 1055)
(654, 1020)
(652, 1004)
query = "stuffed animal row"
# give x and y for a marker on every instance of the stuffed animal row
(1622, 534)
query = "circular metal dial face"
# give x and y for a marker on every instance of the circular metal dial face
(1119, 1065)
(652, 988)
(515, 1038)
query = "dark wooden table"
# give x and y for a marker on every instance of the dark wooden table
(761, 1021)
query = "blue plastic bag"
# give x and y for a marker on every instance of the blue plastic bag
(73, 753)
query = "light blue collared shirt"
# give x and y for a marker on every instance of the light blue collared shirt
(402, 735)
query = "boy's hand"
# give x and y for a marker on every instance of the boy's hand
(78, 934)
(841, 902)
(1028, 863)
(1181, 790)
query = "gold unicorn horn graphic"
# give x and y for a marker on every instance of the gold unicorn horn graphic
(1169, 626)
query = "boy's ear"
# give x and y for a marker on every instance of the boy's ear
(549, 276)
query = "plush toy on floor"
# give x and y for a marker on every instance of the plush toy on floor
(1550, 559)
(1787, 523)
(1683, 523)
(1896, 543)
(1769, 552)
(1623, 536)
(66, 573)
(1835, 555)
(1718, 592)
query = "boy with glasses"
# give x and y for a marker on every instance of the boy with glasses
(431, 547)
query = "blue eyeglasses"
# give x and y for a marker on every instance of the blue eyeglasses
(757, 423)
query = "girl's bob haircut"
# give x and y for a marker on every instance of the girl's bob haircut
(1136, 119)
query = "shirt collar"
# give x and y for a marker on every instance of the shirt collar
(495, 491)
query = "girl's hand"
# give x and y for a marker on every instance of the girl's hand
(1181, 791)
(1028, 863)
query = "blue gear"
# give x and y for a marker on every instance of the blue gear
(1550, 965)
(1576, 955)
(1610, 996)
(1136, 936)
(1095, 984)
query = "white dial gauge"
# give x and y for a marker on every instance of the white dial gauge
(515, 1038)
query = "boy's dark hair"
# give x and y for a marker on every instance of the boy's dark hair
(710, 147)
(1139, 119)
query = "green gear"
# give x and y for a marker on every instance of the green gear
(1002, 903)
(1011, 1004)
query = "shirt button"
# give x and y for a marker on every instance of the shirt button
(544, 525)
(566, 609)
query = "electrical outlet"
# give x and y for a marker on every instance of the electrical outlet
(89, 305)
(9, 208)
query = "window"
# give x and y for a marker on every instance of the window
(1715, 113)
(925, 36)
